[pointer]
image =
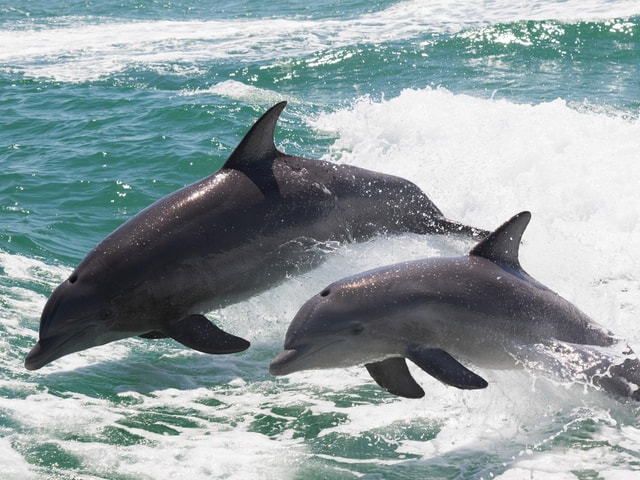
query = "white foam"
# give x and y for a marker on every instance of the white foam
(14, 466)
(561, 465)
(19, 300)
(240, 91)
(80, 49)
(23, 268)
(205, 442)
(482, 161)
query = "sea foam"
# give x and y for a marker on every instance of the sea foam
(78, 49)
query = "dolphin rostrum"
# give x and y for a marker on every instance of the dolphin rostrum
(482, 308)
(264, 215)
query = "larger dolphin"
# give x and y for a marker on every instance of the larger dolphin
(482, 308)
(262, 216)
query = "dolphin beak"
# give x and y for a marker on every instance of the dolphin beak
(284, 363)
(46, 350)
(37, 358)
(304, 356)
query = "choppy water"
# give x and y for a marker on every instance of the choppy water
(490, 107)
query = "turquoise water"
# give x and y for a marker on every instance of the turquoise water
(490, 107)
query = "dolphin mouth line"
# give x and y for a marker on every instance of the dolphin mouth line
(295, 355)
(42, 354)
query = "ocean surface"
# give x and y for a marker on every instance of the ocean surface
(491, 107)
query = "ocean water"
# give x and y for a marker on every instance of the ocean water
(490, 107)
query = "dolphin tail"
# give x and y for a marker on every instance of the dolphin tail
(197, 332)
(621, 380)
(443, 225)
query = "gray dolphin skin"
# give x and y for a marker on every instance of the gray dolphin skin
(482, 308)
(263, 216)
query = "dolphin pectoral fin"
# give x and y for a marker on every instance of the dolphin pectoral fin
(439, 364)
(197, 332)
(393, 375)
(154, 335)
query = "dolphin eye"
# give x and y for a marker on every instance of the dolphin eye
(357, 329)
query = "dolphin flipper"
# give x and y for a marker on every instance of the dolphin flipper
(393, 375)
(439, 364)
(197, 332)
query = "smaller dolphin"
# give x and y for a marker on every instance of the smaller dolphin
(482, 307)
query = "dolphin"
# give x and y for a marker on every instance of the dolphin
(482, 309)
(263, 216)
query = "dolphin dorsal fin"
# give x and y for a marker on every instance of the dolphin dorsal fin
(502, 245)
(258, 144)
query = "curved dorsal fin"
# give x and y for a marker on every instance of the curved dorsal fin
(502, 245)
(258, 144)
